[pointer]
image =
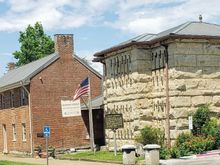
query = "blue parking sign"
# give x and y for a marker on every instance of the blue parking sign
(46, 131)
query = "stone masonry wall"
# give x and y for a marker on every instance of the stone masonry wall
(194, 78)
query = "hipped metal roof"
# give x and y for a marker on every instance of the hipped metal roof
(187, 30)
(22, 75)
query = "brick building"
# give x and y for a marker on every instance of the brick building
(159, 79)
(30, 97)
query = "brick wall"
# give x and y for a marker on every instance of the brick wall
(14, 113)
(47, 88)
(15, 116)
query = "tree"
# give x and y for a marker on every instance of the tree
(35, 44)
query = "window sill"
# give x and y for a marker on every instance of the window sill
(14, 140)
(24, 141)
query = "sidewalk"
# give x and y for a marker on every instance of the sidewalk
(51, 161)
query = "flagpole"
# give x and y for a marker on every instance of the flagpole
(90, 119)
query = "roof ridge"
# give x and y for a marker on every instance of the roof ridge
(87, 65)
(31, 62)
(182, 26)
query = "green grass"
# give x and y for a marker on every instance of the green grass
(99, 156)
(4, 162)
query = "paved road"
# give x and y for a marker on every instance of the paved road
(211, 160)
(51, 161)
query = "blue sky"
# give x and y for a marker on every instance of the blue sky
(96, 24)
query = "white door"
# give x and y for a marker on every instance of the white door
(5, 149)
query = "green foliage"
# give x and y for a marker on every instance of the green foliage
(182, 138)
(201, 117)
(164, 153)
(210, 128)
(175, 152)
(188, 144)
(217, 140)
(34, 43)
(199, 144)
(150, 135)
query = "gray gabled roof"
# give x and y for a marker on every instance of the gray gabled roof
(22, 75)
(187, 29)
(97, 103)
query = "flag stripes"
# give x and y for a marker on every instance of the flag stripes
(82, 89)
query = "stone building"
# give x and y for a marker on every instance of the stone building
(30, 97)
(160, 79)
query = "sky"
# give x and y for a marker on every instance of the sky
(96, 24)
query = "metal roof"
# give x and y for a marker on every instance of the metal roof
(96, 103)
(22, 75)
(193, 29)
(14, 78)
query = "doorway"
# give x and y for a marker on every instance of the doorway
(5, 147)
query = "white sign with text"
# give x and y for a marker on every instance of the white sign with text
(70, 108)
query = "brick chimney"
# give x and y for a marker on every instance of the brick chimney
(10, 66)
(64, 45)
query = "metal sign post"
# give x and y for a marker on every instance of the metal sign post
(115, 144)
(47, 135)
(113, 122)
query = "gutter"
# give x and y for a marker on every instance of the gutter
(30, 117)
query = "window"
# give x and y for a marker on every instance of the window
(2, 101)
(23, 97)
(12, 99)
(23, 132)
(14, 132)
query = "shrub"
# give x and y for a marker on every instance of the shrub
(150, 135)
(164, 153)
(210, 128)
(217, 140)
(175, 152)
(201, 117)
(182, 138)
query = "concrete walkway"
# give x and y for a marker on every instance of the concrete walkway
(51, 161)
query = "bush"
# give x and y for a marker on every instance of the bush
(210, 128)
(182, 138)
(201, 117)
(164, 153)
(150, 135)
(175, 152)
(217, 140)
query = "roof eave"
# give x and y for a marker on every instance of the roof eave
(14, 85)
(99, 56)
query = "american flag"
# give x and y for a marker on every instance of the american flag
(82, 89)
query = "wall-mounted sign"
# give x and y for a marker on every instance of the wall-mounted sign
(70, 108)
(190, 122)
(114, 121)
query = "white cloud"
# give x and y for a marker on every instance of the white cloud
(134, 16)
(51, 13)
(88, 55)
(153, 16)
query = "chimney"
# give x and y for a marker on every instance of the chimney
(10, 66)
(64, 45)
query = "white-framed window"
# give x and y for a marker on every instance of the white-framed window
(24, 132)
(14, 132)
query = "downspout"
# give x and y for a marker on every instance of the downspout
(167, 95)
(30, 117)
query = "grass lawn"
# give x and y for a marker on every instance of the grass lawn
(99, 156)
(3, 162)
